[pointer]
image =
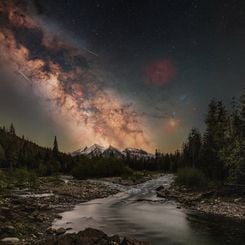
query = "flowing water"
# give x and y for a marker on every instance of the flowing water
(137, 212)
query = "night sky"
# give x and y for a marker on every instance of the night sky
(121, 72)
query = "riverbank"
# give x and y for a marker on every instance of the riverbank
(220, 203)
(26, 215)
(136, 178)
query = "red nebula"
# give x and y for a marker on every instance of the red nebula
(171, 125)
(160, 72)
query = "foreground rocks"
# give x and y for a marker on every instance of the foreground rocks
(10, 240)
(26, 215)
(216, 202)
(89, 237)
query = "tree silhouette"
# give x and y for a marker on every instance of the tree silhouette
(55, 147)
(12, 129)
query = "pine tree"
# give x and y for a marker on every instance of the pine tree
(214, 140)
(234, 129)
(242, 115)
(2, 155)
(12, 129)
(194, 146)
(55, 147)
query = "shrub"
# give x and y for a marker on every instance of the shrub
(191, 177)
(101, 167)
(23, 177)
(3, 181)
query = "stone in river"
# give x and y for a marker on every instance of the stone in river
(10, 240)
(130, 241)
(60, 231)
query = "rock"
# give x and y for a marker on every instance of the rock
(130, 241)
(10, 240)
(114, 240)
(60, 231)
(198, 197)
(208, 194)
(237, 199)
(58, 216)
(8, 230)
(160, 188)
(50, 230)
(2, 218)
(5, 209)
(163, 193)
(6, 212)
(44, 207)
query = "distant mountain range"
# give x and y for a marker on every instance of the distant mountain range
(101, 151)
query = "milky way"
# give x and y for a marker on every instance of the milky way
(68, 81)
(125, 73)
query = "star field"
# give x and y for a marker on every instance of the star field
(158, 62)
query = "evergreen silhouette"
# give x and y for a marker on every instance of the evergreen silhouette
(12, 129)
(55, 146)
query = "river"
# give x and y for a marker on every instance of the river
(137, 211)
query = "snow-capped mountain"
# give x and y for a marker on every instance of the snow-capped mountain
(112, 152)
(100, 151)
(92, 151)
(137, 153)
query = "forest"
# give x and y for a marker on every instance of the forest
(217, 154)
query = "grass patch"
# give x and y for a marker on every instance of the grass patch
(18, 178)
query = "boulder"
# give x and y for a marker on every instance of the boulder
(60, 231)
(6, 212)
(50, 230)
(8, 230)
(163, 193)
(2, 218)
(130, 241)
(10, 240)
(237, 199)
(160, 188)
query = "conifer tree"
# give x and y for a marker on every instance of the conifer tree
(55, 147)
(194, 146)
(214, 140)
(12, 129)
(242, 115)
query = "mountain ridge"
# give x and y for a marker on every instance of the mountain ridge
(97, 150)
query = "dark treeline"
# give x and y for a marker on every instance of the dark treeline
(18, 152)
(218, 154)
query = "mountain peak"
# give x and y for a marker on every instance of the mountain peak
(96, 150)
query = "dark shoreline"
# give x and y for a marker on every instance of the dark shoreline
(206, 204)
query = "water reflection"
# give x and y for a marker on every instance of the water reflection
(137, 212)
